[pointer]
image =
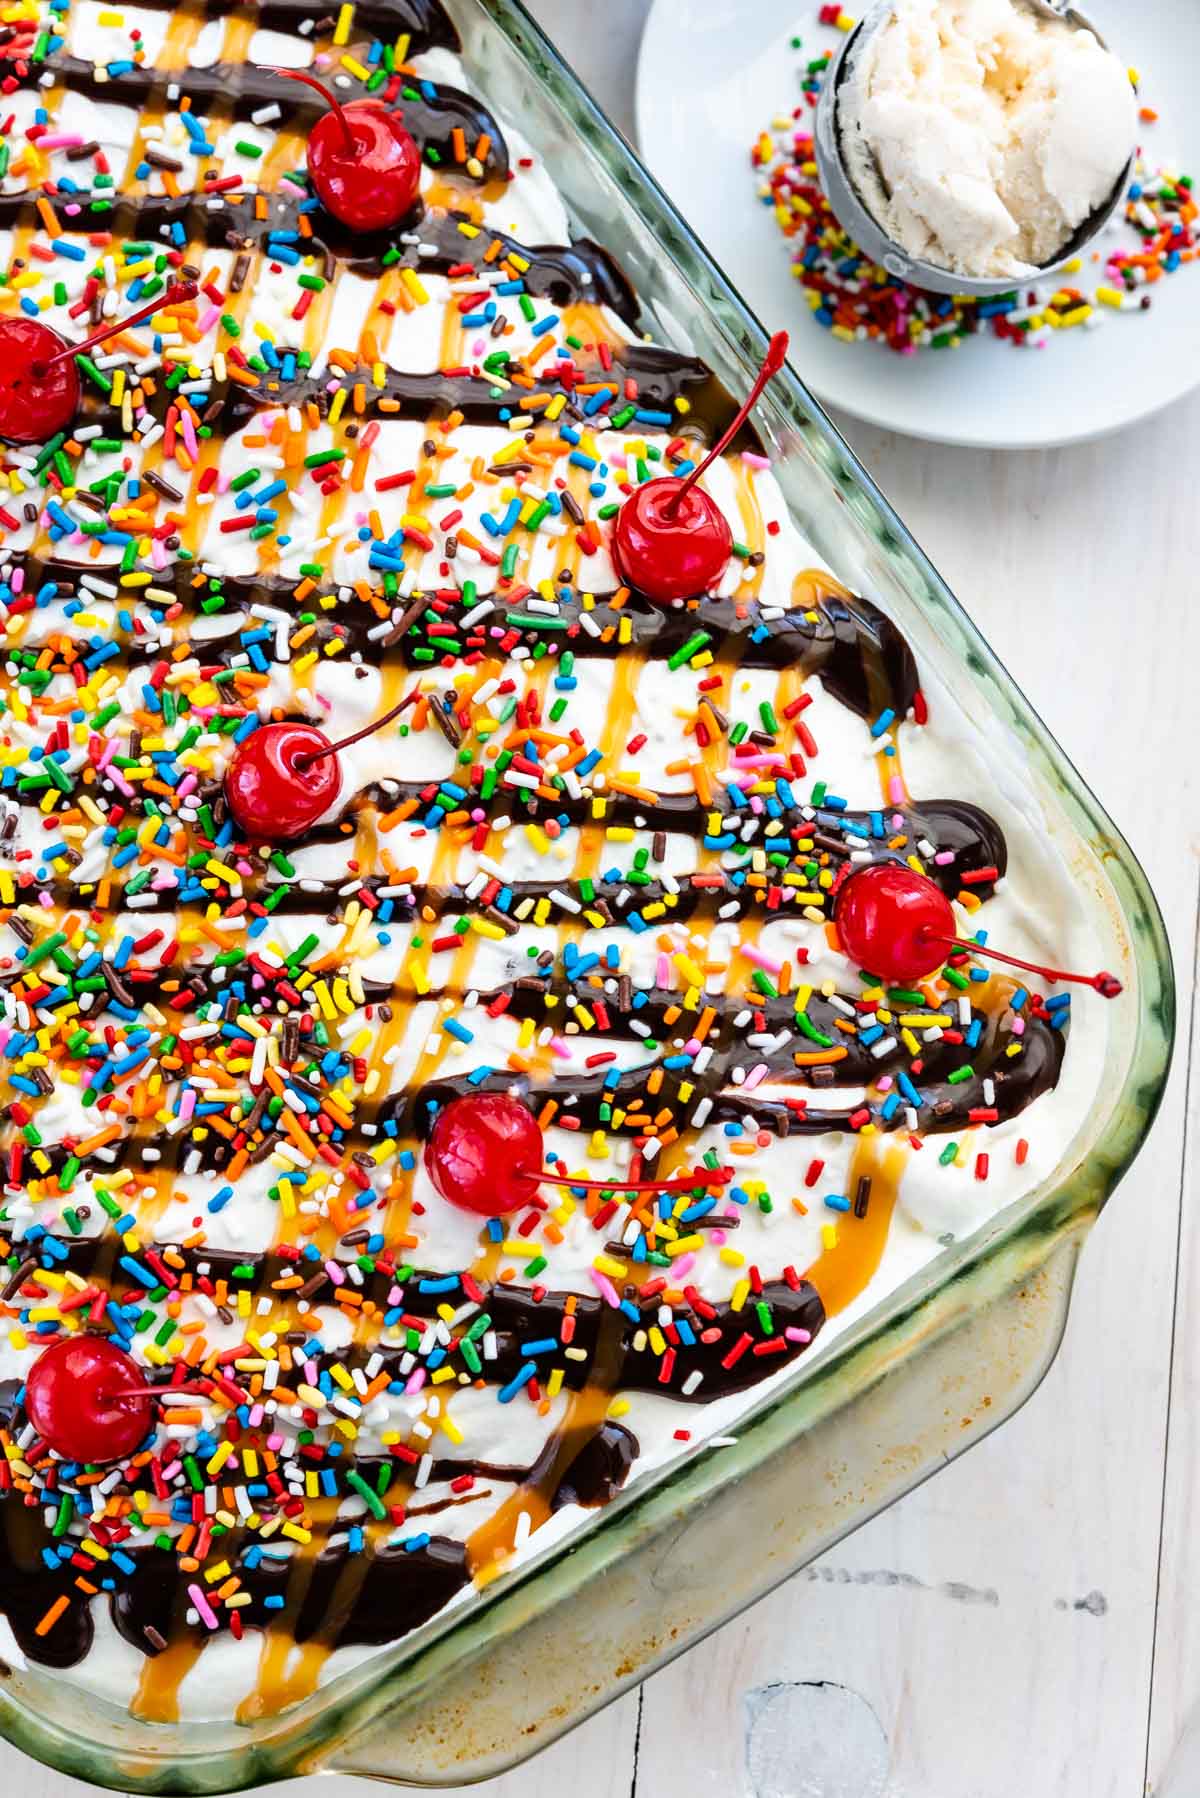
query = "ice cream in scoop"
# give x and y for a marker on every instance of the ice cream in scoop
(981, 135)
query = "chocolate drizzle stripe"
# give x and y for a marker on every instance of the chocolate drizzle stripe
(435, 241)
(954, 827)
(586, 1100)
(849, 643)
(243, 88)
(424, 22)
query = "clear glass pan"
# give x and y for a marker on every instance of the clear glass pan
(647, 1577)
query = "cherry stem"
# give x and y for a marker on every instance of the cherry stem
(772, 363)
(174, 296)
(704, 1177)
(1107, 985)
(329, 97)
(310, 756)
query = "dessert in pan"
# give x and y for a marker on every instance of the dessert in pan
(497, 955)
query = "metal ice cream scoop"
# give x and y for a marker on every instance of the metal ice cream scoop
(854, 215)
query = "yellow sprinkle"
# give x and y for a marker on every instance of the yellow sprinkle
(415, 286)
(686, 1245)
(485, 927)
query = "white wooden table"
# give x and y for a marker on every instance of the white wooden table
(1027, 1623)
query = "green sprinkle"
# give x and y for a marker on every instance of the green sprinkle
(686, 651)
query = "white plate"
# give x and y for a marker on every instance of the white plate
(712, 73)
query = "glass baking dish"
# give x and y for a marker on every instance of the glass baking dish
(927, 1371)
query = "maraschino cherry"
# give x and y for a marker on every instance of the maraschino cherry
(363, 164)
(485, 1155)
(283, 777)
(88, 1399)
(39, 382)
(898, 924)
(671, 540)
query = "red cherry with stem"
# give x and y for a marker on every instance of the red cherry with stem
(485, 1151)
(364, 165)
(88, 1399)
(898, 924)
(33, 409)
(283, 777)
(281, 780)
(39, 380)
(671, 540)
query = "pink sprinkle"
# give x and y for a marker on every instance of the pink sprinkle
(46, 900)
(692, 1046)
(762, 761)
(605, 1288)
(755, 460)
(755, 1077)
(767, 962)
(884, 1083)
(189, 434)
(795, 1334)
(187, 1103)
(663, 976)
(17, 582)
(62, 140)
(718, 1238)
(683, 1266)
(896, 793)
(560, 1047)
(209, 320)
(275, 1441)
(1018, 1026)
(944, 856)
(256, 1416)
(207, 1615)
(415, 1381)
(335, 1273)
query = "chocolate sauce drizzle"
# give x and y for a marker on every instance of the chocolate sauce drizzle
(405, 1588)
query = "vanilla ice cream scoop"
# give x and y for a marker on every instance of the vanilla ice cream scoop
(980, 136)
